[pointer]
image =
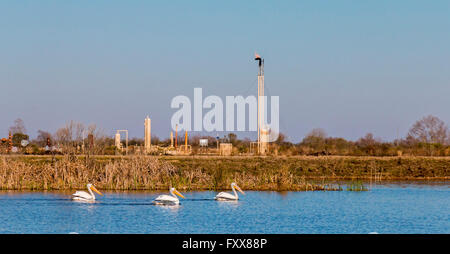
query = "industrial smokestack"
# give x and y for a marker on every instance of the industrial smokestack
(262, 142)
(148, 135)
(185, 140)
(10, 145)
(117, 140)
(176, 135)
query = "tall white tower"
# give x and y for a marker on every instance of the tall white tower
(262, 130)
(148, 135)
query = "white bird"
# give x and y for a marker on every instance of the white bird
(168, 199)
(225, 196)
(84, 196)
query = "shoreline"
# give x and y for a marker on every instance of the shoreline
(197, 173)
(163, 191)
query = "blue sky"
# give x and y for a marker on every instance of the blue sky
(349, 67)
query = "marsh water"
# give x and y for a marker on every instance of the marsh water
(413, 207)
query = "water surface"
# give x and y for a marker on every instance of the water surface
(386, 208)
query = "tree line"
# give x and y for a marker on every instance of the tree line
(429, 136)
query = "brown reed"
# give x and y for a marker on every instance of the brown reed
(140, 173)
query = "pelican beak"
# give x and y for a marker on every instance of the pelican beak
(94, 189)
(178, 194)
(239, 189)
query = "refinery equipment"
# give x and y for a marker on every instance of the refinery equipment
(226, 149)
(185, 141)
(147, 135)
(184, 149)
(176, 135)
(117, 142)
(263, 131)
(10, 145)
(90, 141)
(203, 142)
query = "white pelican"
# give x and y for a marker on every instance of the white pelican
(224, 196)
(84, 196)
(168, 199)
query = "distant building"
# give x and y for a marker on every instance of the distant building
(203, 142)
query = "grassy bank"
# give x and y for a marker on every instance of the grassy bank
(329, 167)
(210, 173)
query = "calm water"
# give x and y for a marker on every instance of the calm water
(390, 208)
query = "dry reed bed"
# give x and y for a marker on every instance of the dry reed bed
(206, 173)
(138, 173)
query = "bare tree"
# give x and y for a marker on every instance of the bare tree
(64, 135)
(92, 129)
(101, 140)
(315, 140)
(368, 143)
(367, 140)
(18, 127)
(155, 140)
(79, 132)
(429, 129)
(281, 138)
(317, 133)
(70, 136)
(42, 137)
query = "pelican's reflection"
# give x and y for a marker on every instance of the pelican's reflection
(229, 204)
(169, 208)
